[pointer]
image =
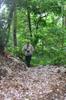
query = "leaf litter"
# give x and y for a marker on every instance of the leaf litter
(18, 82)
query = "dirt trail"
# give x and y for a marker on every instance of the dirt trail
(40, 83)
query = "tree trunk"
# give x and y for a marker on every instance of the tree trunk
(9, 20)
(29, 21)
(14, 27)
(2, 50)
(64, 21)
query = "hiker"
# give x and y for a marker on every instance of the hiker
(28, 51)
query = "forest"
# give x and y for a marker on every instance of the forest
(43, 24)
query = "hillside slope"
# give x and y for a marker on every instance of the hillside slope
(40, 83)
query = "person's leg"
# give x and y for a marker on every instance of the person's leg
(26, 57)
(27, 60)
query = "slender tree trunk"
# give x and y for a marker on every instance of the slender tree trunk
(29, 21)
(9, 20)
(2, 48)
(64, 21)
(14, 27)
(37, 23)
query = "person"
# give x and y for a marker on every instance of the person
(28, 52)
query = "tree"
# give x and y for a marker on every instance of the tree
(5, 23)
(14, 25)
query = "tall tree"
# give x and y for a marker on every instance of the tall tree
(14, 25)
(29, 21)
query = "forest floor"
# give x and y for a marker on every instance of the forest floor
(39, 83)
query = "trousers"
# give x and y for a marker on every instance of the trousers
(27, 60)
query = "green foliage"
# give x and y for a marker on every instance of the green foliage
(48, 36)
